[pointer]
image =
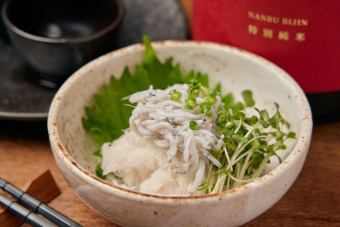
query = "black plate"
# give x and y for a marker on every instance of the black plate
(22, 98)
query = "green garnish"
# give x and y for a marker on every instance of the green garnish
(246, 149)
(193, 125)
(99, 172)
(247, 96)
(291, 135)
(190, 103)
(175, 95)
(98, 153)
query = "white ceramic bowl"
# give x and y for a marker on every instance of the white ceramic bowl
(236, 70)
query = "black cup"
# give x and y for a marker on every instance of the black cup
(56, 37)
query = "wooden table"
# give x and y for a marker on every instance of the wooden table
(313, 200)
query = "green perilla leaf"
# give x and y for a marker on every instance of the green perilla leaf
(108, 115)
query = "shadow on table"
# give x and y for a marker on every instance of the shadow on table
(34, 130)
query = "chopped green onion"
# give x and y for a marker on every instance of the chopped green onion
(291, 135)
(175, 95)
(193, 125)
(211, 100)
(190, 103)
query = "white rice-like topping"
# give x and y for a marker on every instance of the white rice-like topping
(160, 153)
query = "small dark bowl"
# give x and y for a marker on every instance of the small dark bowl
(57, 37)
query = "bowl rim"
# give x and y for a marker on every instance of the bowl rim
(298, 151)
(114, 24)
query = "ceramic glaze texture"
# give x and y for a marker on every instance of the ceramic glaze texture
(236, 70)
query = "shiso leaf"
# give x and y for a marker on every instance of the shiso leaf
(108, 115)
(99, 172)
(98, 153)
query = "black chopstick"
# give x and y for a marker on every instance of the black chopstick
(23, 213)
(38, 206)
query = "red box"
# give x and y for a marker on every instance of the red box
(303, 37)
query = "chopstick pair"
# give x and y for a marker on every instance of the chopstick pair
(35, 206)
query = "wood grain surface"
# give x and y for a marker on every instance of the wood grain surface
(313, 200)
